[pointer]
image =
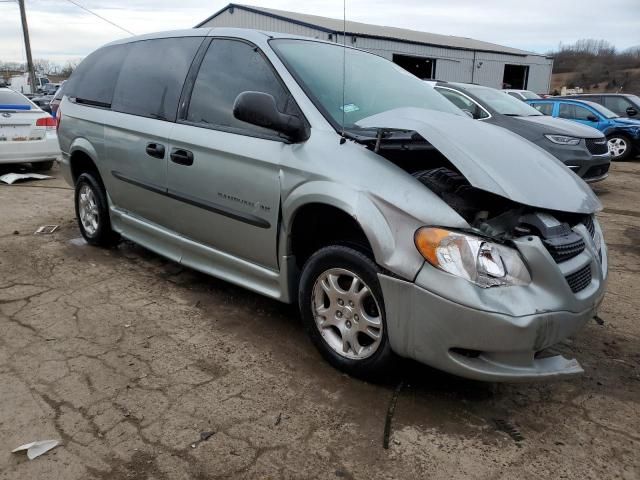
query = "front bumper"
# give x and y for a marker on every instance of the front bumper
(591, 168)
(494, 334)
(30, 151)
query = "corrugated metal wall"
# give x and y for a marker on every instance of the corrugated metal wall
(451, 64)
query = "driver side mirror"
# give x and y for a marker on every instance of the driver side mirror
(258, 108)
(632, 112)
(592, 118)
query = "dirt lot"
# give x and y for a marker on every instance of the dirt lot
(128, 358)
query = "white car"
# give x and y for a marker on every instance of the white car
(27, 133)
(521, 94)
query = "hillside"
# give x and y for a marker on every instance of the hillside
(596, 66)
(572, 79)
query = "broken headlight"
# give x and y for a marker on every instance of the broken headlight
(475, 259)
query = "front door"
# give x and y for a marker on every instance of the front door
(578, 113)
(224, 173)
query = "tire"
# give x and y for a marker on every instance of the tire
(42, 166)
(92, 212)
(346, 334)
(616, 142)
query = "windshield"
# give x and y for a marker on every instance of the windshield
(372, 84)
(529, 95)
(501, 103)
(604, 111)
(634, 99)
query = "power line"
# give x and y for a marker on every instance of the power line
(100, 16)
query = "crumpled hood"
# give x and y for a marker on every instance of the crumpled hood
(494, 159)
(560, 126)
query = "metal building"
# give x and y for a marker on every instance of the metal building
(426, 55)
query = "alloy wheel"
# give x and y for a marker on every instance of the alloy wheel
(347, 314)
(88, 210)
(617, 147)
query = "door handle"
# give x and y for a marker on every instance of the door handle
(155, 150)
(181, 156)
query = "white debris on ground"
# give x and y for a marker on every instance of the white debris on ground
(35, 449)
(10, 178)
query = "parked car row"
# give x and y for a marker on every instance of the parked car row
(623, 134)
(327, 176)
(582, 149)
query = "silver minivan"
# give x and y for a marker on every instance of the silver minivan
(331, 177)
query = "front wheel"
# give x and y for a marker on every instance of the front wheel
(342, 308)
(619, 147)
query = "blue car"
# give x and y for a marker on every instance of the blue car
(623, 134)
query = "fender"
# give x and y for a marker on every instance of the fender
(614, 129)
(79, 144)
(378, 219)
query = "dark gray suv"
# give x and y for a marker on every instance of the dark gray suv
(581, 148)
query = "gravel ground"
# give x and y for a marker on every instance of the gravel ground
(146, 370)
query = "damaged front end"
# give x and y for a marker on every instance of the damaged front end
(529, 270)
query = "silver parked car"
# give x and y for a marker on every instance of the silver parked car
(399, 225)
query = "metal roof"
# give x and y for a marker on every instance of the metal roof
(334, 25)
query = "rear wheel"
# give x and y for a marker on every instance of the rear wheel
(42, 166)
(619, 146)
(343, 312)
(92, 212)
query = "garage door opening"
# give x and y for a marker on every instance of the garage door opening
(421, 67)
(515, 76)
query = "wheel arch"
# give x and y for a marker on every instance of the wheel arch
(615, 130)
(355, 214)
(83, 158)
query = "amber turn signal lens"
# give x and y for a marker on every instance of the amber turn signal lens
(428, 240)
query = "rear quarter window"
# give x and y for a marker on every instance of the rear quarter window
(94, 80)
(152, 77)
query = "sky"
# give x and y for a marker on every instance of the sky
(62, 31)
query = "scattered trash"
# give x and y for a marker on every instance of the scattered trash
(509, 429)
(16, 232)
(204, 436)
(279, 419)
(392, 408)
(35, 449)
(78, 242)
(46, 229)
(598, 320)
(10, 178)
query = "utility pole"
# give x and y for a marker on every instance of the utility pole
(27, 47)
